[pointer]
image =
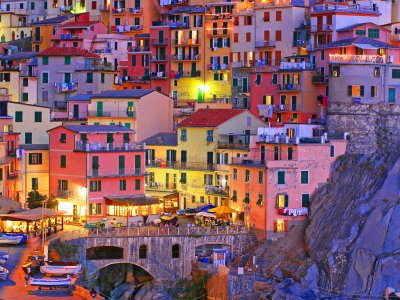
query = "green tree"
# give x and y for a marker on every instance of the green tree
(35, 200)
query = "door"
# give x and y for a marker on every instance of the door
(161, 36)
(247, 137)
(199, 95)
(76, 111)
(138, 164)
(210, 160)
(95, 166)
(183, 158)
(294, 103)
(99, 109)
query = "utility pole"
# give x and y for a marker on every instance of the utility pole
(43, 223)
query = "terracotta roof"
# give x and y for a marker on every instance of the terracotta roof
(67, 51)
(210, 117)
(79, 24)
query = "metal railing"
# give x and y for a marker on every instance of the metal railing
(288, 87)
(64, 194)
(121, 114)
(100, 172)
(186, 57)
(160, 163)
(135, 10)
(152, 231)
(161, 186)
(358, 59)
(227, 145)
(95, 67)
(322, 27)
(185, 42)
(139, 49)
(217, 190)
(159, 42)
(82, 146)
(159, 57)
(265, 43)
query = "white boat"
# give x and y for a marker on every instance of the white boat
(3, 273)
(10, 239)
(4, 256)
(51, 281)
(60, 270)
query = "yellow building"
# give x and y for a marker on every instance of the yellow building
(197, 166)
(34, 166)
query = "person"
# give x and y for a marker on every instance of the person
(93, 293)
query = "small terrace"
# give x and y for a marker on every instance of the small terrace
(265, 44)
(357, 59)
(106, 147)
(116, 172)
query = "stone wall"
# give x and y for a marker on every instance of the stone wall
(240, 284)
(369, 126)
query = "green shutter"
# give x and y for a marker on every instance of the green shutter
(134, 60)
(63, 161)
(392, 95)
(18, 116)
(361, 90)
(99, 108)
(30, 158)
(126, 137)
(28, 137)
(45, 77)
(305, 200)
(349, 90)
(304, 177)
(281, 177)
(25, 97)
(45, 60)
(102, 78)
(39, 158)
(137, 184)
(89, 77)
(63, 138)
(286, 200)
(38, 116)
(67, 60)
(130, 109)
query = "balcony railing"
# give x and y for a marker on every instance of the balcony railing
(318, 78)
(161, 186)
(143, 78)
(196, 166)
(217, 190)
(284, 107)
(159, 42)
(265, 44)
(104, 50)
(218, 67)
(118, 114)
(288, 87)
(95, 67)
(186, 57)
(219, 32)
(322, 27)
(99, 147)
(357, 59)
(185, 42)
(285, 65)
(118, 11)
(135, 10)
(97, 173)
(13, 175)
(159, 163)
(246, 161)
(64, 87)
(159, 58)
(227, 145)
(139, 49)
(65, 194)
(188, 73)
(346, 7)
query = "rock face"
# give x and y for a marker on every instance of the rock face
(354, 231)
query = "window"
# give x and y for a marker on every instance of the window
(275, 78)
(281, 177)
(305, 200)
(377, 72)
(18, 116)
(89, 77)
(201, 199)
(374, 91)
(266, 16)
(322, 55)
(235, 37)
(280, 225)
(45, 77)
(278, 35)
(332, 151)
(360, 32)
(248, 36)
(175, 251)
(355, 90)
(193, 199)
(235, 82)
(260, 176)
(282, 200)
(122, 185)
(304, 177)
(25, 82)
(235, 174)
(258, 79)
(67, 60)
(278, 15)
(234, 195)
(35, 184)
(392, 95)
(395, 73)
(32, 5)
(102, 78)
(95, 209)
(38, 116)
(28, 137)
(35, 158)
(63, 161)
(290, 153)
(25, 97)
(142, 251)
(183, 178)
(95, 185)
(63, 138)
(183, 135)
(373, 33)
(45, 60)
(94, 5)
(247, 176)
(110, 138)
(335, 71)
(137, 184)
(260, 201)
(210, 135)
(246, 198)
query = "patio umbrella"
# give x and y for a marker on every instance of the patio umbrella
(221, 210)
(204, 208)
(205, 214)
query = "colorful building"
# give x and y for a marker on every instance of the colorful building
(135, 109)
(273, 185)
(92, 163)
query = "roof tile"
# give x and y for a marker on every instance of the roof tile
(210, 117)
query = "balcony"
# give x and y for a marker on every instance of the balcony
(220, 32)
(112, 114)
(247, 161)
(60, 105)
(13, 175)
(5, 161)
(346, 7)
(179, 25)
(116, 172)
(217, 190)
(318, 78)
(161, 186)
(238, 146)
(356, 59)
(177, 3)
(188, 74)
(67, 36)
(284, 107)
(243, 64)
(65, 194)
(37, 38)
(196, 166)
(134, 49)
(210, 17)
(186, 57)
(321, 28)
(67, 8)
(159, 163)
(104, 50)
(107, 147)
(296, 66)
(12, 153)
(265, 44)
(159, 42)
(144, 78)
(135, 10)
(159, 58)
(219, 67)
(289, 87)
(95, 67)
(158, 75)
(118, 11)
(185, 42)
(64, 87)
(126, 28)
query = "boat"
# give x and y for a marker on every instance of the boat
(10, 239)
(24, 236)
(33, 263)
(51, 281)
(62, 263)
(60, 270)
(3, 273)
(4, 256)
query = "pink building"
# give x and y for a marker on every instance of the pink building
(97, 171)
(77, 109)
(274, 184)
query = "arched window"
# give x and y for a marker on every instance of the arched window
(142, 251)
(175, 251)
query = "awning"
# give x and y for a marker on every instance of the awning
(132, 200)
(162, 194)
(365, 46)
(31, 215)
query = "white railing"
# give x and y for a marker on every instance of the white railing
(359, 59)
(151, 231)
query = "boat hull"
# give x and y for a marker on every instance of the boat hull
(60, 270)
(51, 281)
(10, 240)
(3, 273)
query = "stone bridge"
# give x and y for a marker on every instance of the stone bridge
(166, 253)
